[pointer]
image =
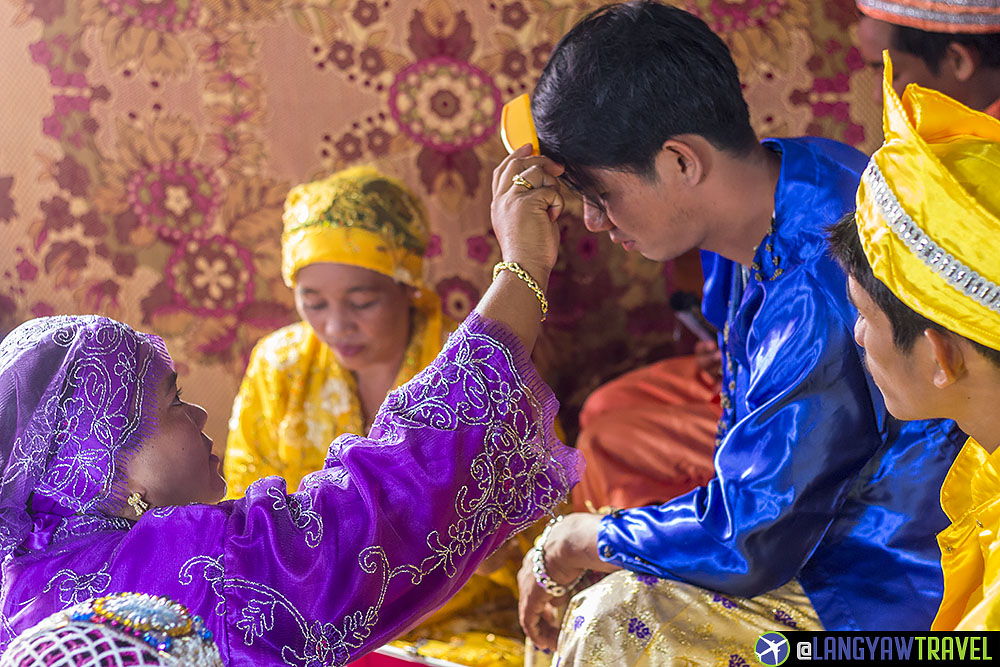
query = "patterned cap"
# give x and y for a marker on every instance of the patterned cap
(127, 629)
(357, 216)
(928, 210)
(950, 16)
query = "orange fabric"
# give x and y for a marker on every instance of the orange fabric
(648, 436)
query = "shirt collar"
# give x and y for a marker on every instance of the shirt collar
(973, 480)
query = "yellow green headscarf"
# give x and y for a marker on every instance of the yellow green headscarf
(357, 216)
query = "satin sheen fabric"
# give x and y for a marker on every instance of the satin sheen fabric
(929, 207)
(813, 479)
(971, 498)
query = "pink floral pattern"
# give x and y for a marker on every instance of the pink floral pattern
(149, 184)
(458, 297)
(7, 210)
(175, 198)
(445, 104)
(210, 277)
(148, 33)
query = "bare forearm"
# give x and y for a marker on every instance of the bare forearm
(509, 300)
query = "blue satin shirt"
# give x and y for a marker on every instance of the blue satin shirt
(813, 479)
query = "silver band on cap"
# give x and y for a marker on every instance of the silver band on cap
(972, 285)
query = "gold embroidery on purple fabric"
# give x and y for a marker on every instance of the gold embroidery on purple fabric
(300, 511)
(514, 476)
(74, 587)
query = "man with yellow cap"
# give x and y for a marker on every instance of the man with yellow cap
(921, 255)
(952, 46)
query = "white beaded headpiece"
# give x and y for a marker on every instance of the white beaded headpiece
(122, 630)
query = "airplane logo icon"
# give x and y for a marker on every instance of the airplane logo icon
(772, 649)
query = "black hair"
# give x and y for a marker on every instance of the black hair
(931, 47)
(630, 76)
(907, 325)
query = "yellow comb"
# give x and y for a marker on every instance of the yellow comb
(517, 128)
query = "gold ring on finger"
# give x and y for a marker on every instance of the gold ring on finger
(518, 179)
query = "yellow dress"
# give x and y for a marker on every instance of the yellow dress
(296, 398)
(970, 497)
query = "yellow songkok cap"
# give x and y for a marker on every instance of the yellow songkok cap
(357, 216)
(950, 16)
(929, 210)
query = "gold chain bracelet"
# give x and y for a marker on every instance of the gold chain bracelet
(516, 269)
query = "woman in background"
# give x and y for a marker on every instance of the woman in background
(352, 252)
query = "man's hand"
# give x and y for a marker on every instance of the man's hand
(570, 549)
(540, 613)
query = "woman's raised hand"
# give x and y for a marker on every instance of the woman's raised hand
(526, 204)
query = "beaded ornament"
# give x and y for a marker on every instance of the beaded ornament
(121, 629)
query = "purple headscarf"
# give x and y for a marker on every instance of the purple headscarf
(77, 396)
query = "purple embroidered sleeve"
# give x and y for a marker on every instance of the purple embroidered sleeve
(458, 460)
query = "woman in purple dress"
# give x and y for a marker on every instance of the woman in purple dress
(108, 483)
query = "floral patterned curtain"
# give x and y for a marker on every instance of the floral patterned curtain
(147, 145)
